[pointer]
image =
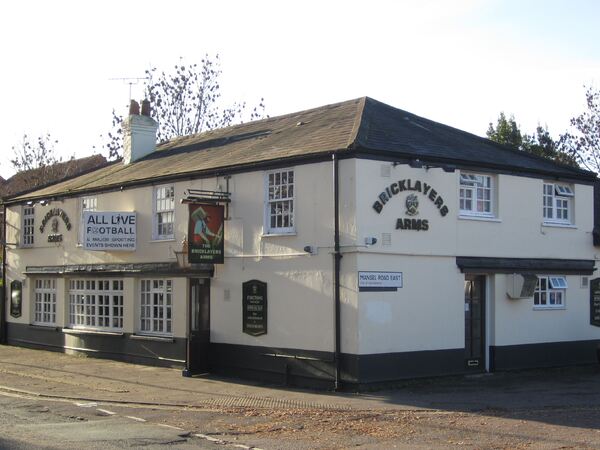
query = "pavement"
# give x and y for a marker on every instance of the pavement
(56, 375)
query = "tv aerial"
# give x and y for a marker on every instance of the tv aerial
(130, 81)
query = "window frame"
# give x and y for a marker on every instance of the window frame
(83, 298)
(558, 192)
(547, 288)
(44, 301)
(82, 205)
(28, 228)
(474, 189)
(157, 212)
(268, 229)
(149, 307)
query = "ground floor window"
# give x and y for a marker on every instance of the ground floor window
(96, 303)
(45, 302)
(156, 306)
(550, 292)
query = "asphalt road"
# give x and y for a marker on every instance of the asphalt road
(35, 424)
(55, 401)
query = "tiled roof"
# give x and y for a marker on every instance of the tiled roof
(361, 125)
(28, 180)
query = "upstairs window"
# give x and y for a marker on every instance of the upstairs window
(558, 203)
(164, 212)
(550, 292)
(28, 226)
(87, 204)
(280, 191)
(475, 194)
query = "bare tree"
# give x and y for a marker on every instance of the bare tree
(185, 101)
(31, 154)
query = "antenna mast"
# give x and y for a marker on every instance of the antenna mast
(130, 81)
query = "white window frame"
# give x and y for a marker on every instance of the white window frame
(163, 206)
(28, 226)
(277, 189)
(475, 185)
(96, 304)
(88, 203)
(156, 307)
(557, 200)
(44, 307)
(550, 292)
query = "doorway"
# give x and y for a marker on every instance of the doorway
(475, 323)
(198, 341)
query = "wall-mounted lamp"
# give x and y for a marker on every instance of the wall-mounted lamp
(29, 203)
(370, 241)
(44, 202)
(310, 249)
(415, 163)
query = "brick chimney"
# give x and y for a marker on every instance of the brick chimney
(139, 132)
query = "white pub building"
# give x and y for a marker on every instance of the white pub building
(348, 245)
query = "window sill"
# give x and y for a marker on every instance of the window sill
(171, 239)
(559, 225)
(44, 326)
(275, 234)
(92, 332)
(479, 218)
(151, 337)
(549, 308)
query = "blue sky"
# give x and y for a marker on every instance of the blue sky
(459, 62)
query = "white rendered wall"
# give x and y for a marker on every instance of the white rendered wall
(300, 285)
(427, 313)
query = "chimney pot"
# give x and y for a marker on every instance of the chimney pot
(146, 108)
(134, 108)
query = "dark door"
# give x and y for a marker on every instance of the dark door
(198, 326)
(475, 322)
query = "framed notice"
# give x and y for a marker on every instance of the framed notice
(109, 231)
(205, 231)
(595, 302)
(379, 281)
(254, 307)
(16, 298)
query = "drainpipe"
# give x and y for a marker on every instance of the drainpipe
(337, 256)
(3, 293)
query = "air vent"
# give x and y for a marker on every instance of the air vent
(386, 170)
(585, 282)
(386, 239)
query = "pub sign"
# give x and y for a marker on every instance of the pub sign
(254, 307)
(595, 302)
(205, 228)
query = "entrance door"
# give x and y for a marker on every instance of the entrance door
(198, 326)
(475, 322)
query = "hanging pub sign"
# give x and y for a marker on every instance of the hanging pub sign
(254, 307)
(16, 303)
(411, 203)
(205, 228)
(52, 217)
(109, 231)
(595, 302)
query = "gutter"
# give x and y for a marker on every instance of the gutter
(337, 256)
